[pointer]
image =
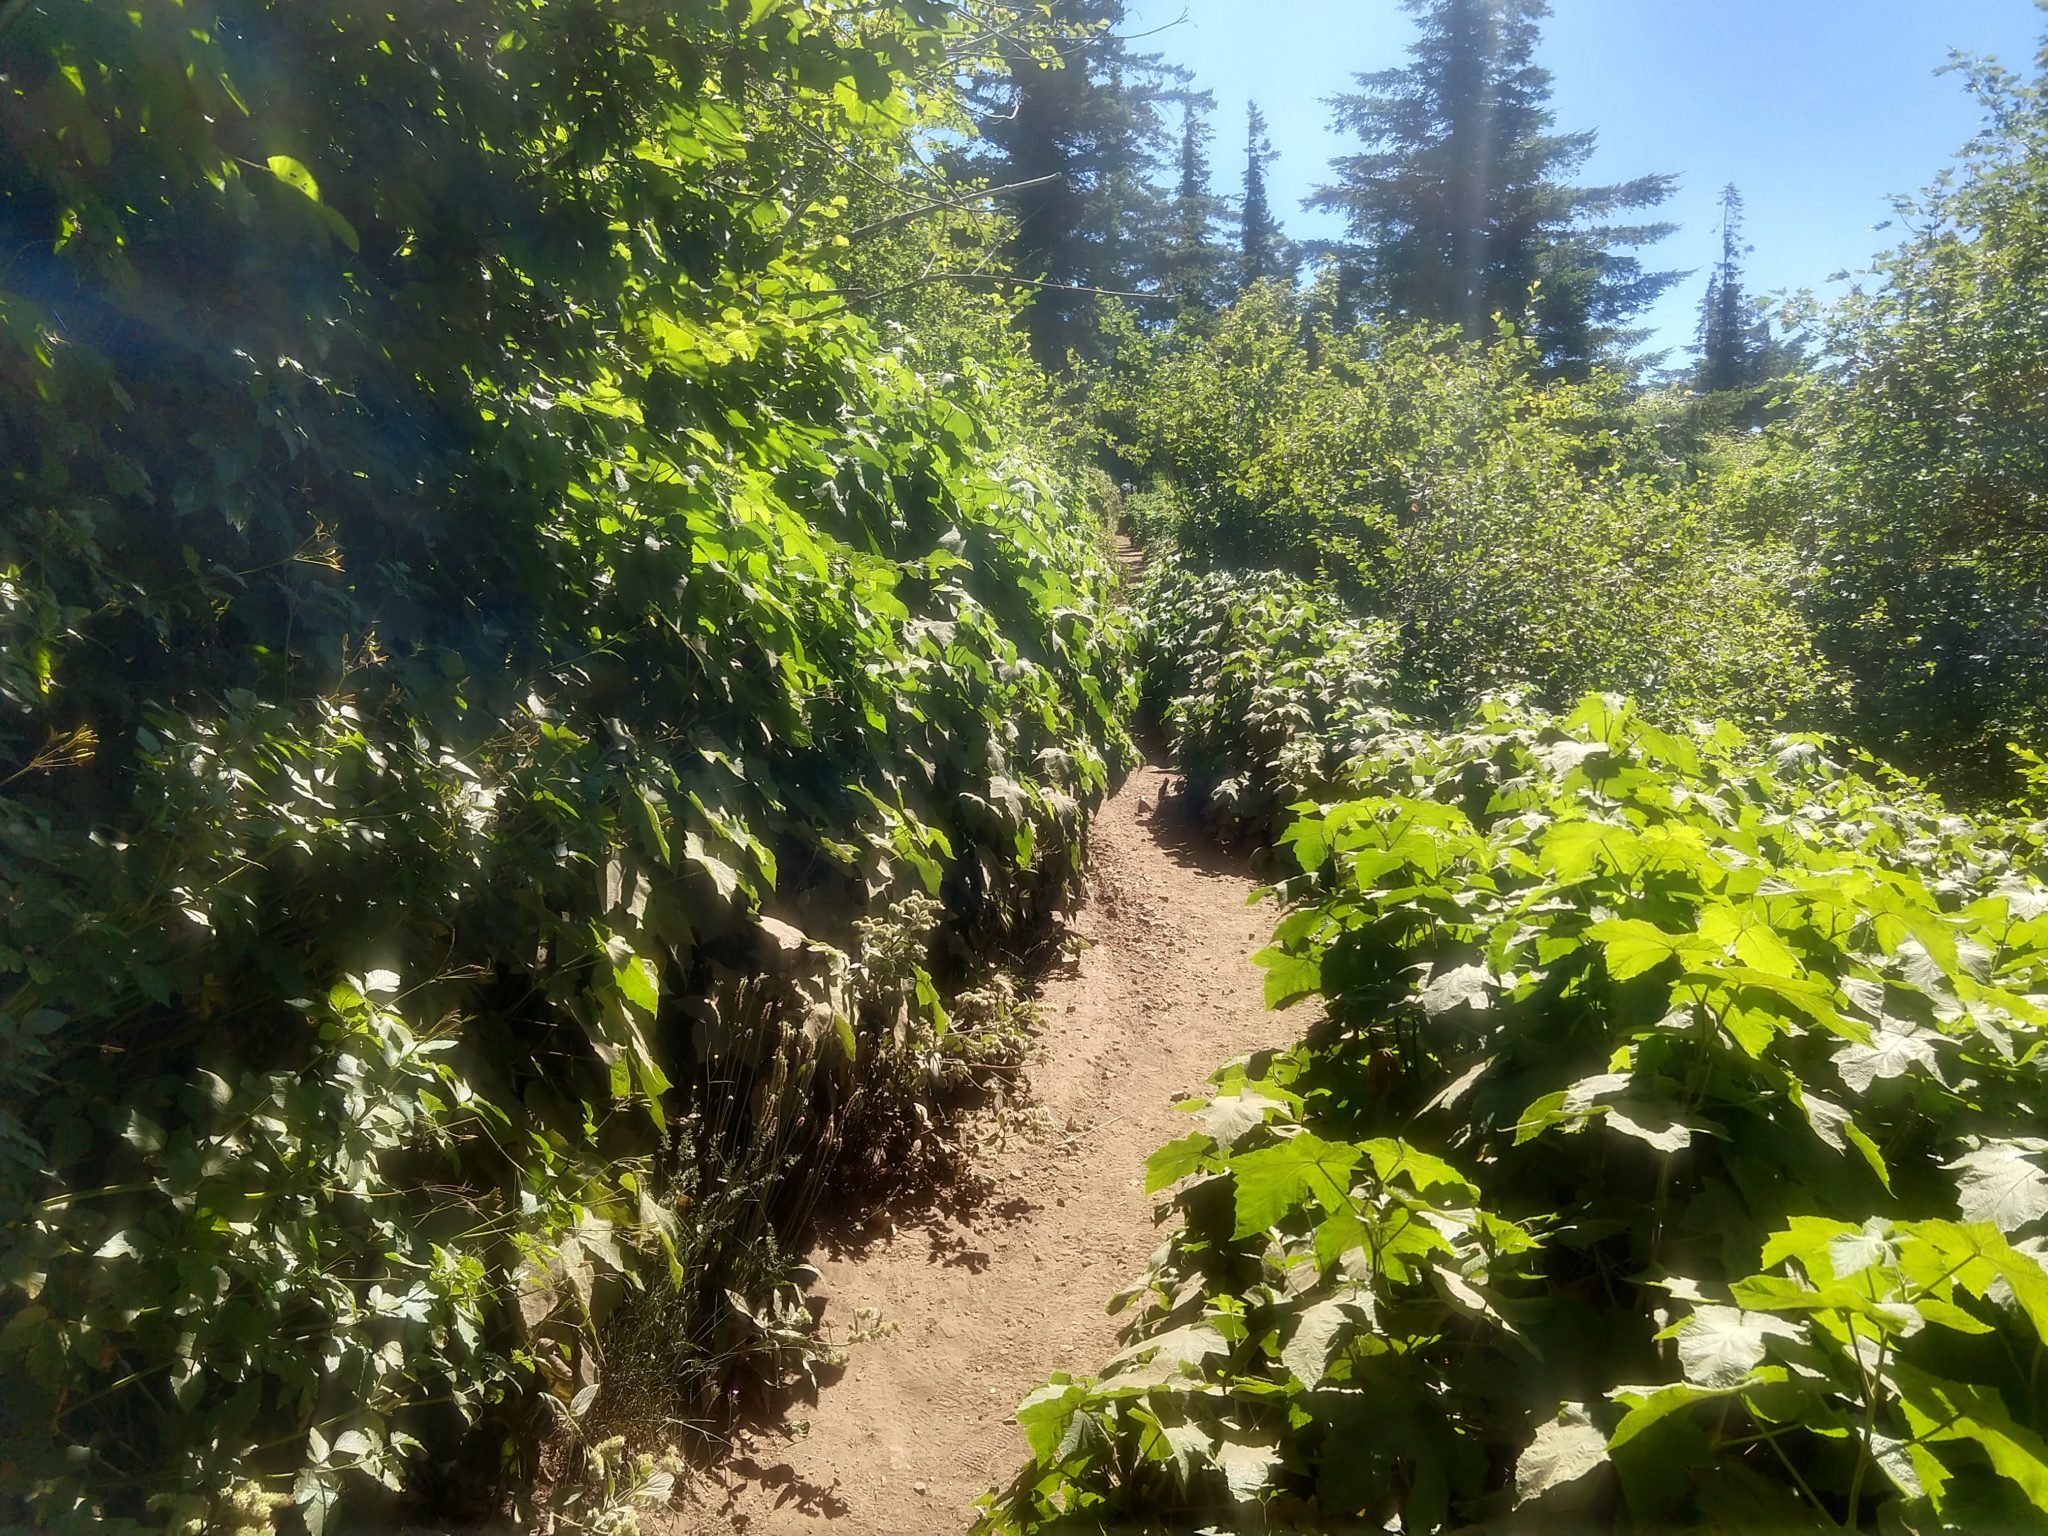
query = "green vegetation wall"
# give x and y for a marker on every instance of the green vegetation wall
(1514, 530)
(1920, 478)
(1660, 1152)
(514, 709)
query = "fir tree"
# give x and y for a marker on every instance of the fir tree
(1462, 202)
(1262, 249)
(1731, 353)
(1092, 121)
(1194, 265)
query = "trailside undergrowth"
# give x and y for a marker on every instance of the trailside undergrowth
(1265, 686)
(1663, 1154)
(516, 711)
(1515, 531)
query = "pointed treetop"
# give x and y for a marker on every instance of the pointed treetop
(1461, 202)
(1263, 251)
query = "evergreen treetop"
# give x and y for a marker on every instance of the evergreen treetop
(1730, 354)
(1263, 251)
(1461, 201)
(1092, 120)
(1194, 262)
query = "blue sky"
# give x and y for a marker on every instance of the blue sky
(1817, 109)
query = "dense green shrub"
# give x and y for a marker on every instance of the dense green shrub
(1514, 531)
(1925, 485)
(1663, 1155)
(482, 627)
(1522, 572)
(1264, 686)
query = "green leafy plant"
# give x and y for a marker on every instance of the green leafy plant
(1920, 478)
(1263, 685)
(483, 626)
(1512, 530)
(1662, 1155)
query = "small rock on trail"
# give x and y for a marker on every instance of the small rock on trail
(995, 1283)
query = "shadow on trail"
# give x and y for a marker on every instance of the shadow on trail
(1184, 836)
(944, 1198)
(790, 1489)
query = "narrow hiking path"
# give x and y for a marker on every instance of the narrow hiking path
(1004, 1277)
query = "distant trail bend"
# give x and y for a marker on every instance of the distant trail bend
(1004, 1280)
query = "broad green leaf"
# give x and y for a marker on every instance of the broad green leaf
(2003, 1184)
(1983, 1262)
(1868, 1151)
(1229, 1117)
(1565, 1449)
(1811, 1241)
(1190, 1447)
(1046, 1414)
(1249, 1467)
(1273, 1181)
(294, 175)
(1719, 1346)
(1424, 1172)
(639, 983)
(1175, 1352)
(1289, 977)
(1850, 1253)
(1176, 1160)
(1320, 1328)
(1648, 1406)
(142, 1133)
(342, 230)
(1665, 749)
(1895, 1049)
(1306, 837)
(1573, 849)
(1338, 1234)
(1632, 946)
(1462, 986)
(724, 878)
(1541, 1115)
(1943, 1410)
(1651, 1124)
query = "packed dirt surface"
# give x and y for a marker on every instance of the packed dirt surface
(1003, 1278)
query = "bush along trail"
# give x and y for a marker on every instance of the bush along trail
(498, 778)
(1663, 1155)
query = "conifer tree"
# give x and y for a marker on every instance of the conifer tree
(1194, 265)
(1461, 199)
(1092, 123)
(1262, 249)
(1731, 353)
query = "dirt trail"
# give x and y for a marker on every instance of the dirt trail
(1004, 1278)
